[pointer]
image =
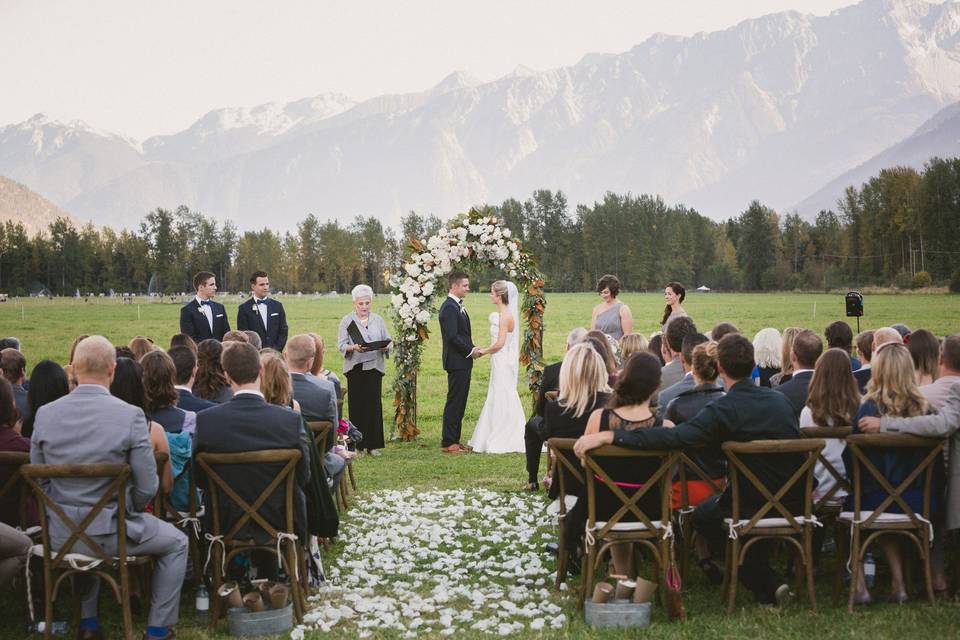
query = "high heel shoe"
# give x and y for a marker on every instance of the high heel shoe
(532, 486)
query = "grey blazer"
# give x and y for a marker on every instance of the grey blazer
(941, 425)
(376, 329)
(317, 398)
(90, 426)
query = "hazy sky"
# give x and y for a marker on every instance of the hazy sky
(144, 68)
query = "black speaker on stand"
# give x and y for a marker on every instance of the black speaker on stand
(854, 300)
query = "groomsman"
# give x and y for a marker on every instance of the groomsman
(202, 318)
(263, 315)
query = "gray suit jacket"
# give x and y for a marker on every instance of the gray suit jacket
(317, 398)
(669, 393)
(940, 425)
(90, 426)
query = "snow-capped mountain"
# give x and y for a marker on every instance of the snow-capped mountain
(938, 137)
(772, 108)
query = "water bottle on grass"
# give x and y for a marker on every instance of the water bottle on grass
(869, 571)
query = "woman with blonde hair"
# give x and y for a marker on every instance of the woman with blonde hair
(786, 369)
(275, 383)
(768, 354)
(893, 391)
(630, 344)
(140, 346)
(583, 388)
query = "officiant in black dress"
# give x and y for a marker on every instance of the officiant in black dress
(364, 363)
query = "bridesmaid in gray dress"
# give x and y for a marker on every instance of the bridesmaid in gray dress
(611, 316)
(673, 294)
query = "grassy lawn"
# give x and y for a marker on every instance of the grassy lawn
(47, 328)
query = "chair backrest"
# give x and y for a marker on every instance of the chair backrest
(13, 490)
(322, 431)
(860, 443)
(659, 483)
(209, 462)
(688, 469)
(809, 449)
(562, 451)
(841, 484)
(117, 474)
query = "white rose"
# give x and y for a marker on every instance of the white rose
(428, 288)
(397, 300)
(423, 316)
(507, 233)
(413, 270)
(475, 229)
(513, 273)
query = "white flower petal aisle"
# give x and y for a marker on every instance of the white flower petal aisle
(440, 563)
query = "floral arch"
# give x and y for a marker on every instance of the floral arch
(476, 238)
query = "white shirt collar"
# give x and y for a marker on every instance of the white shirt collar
(247, 392)
(200, 302)
(863, 366)
(455, 298)
(183, 387)
(801, 371)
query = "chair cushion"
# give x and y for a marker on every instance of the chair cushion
(883, 518)
(81, 560)
(767, 523)
(629, 526)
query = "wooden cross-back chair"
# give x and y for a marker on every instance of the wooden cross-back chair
(562, 450)
(324, 436)
(293, 560)
(187, 521)
(830, 504)
(652, 531)
(14, 489)
(353, 478)
(92, 558)
(881, 520)
(781, 523)
(688, 469)
(550, 395)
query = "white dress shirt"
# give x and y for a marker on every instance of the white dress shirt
(262, 308)
(207, 311)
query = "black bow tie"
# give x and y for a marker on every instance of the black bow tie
(259, 302)
(204, 303)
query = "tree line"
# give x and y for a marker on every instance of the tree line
(901, 227)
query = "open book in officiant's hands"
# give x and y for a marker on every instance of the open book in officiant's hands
(354, 332)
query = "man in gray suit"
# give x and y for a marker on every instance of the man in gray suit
(90, 426)
(317, 397)
(685, 383)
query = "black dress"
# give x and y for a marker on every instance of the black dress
(366, 406)
(630, 474)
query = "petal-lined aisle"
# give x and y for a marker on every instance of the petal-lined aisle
(439, 563)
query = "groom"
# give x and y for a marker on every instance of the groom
(458, 356)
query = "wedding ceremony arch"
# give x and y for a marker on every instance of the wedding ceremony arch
(471, 239)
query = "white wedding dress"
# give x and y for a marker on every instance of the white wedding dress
(502, 420)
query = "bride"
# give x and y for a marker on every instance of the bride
(500, 428)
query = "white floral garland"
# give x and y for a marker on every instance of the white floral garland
(482, 238)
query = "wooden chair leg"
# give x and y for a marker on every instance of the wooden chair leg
(343, 492)
(841, 536)
(734, 550)
(561, 555)
(925, 559)
(216, 602)
(353, 478)
(855, 563)
(125, 604)
(808, 565)
(296, 591)
(587, 570)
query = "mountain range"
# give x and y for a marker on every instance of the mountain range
(774, 108)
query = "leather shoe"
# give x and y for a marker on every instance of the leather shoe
(454, 448)
(90, 634)
(552, 548)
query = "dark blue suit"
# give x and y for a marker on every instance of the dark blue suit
(274, 335)
(193, 321)
(457, 345)
(190, 402)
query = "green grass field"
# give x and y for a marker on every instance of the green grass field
(47, 327)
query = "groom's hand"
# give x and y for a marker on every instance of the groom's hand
(476, 353)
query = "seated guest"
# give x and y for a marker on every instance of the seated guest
(253, 338)
(318, 370)
(89, 426)
(722, 329)
(582, 387)
(807, 347)
(9, 343)
(210, 383)
(140, 346)
(839, 335)
(317, 398)
(685, 383)
(48, 382)
(948, 374)
(185, 371)
(893, 392)
(551, 373)
(904, 332)
(603, 346)
(127, 384)
(628, 409)
(924, 348)
(655, 346)
(238, 425)
(183, 340)
(235, 336)
(14, 547)
(71, 377)
(864, 342)
(833, 401)
(786, 366)
(14, 368)
(275, 383)
(161, 397)
(630, 344)
(745, 414)
(672, 347)
(883, 335)
(11, 441)
(767, 345)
